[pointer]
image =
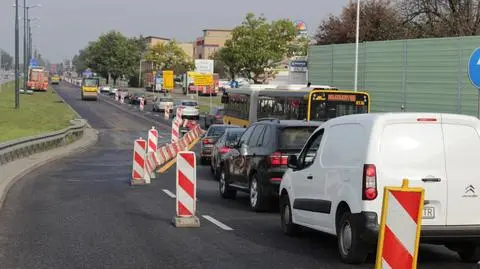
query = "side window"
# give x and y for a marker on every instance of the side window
(266, 137)
(309, 153)
(246, 135)
(256, 136)
(344, 146)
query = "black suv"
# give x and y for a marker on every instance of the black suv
(257, 163)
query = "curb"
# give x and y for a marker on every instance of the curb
(9, 182)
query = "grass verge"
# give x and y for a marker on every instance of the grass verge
(39, 113)
(205, 103)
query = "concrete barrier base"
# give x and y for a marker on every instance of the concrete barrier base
(186, 222)
(138, 182)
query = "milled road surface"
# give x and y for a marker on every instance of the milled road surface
(80, 212)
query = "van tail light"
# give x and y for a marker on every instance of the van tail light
(277, 159)
(224, 150)
(369, 186)
(426, 119)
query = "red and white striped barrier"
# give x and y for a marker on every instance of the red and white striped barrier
(152, 150)
(176, 123)
(122, 98)
(139, 161)
(117, 97)
(400, 227)
(186, 190)
(142, 103)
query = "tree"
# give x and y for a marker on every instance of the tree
(227, 61)
(257, 47)
(169, 56)
(7, 60)
(379, 20)
(113, 55)
(442, 18)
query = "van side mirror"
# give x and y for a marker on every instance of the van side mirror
(292, 162)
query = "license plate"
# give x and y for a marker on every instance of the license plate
(428, 212)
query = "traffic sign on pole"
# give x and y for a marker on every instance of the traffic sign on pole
(474, 68)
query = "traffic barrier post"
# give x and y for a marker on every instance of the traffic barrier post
(116, 96)
(142, 103)
(152, 147)
(186, 191)
(139, 162)
(166, 111)
(400, 227)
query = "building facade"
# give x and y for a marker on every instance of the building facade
(211, 41)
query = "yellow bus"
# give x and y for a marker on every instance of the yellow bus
(244, 106)
(89, 88)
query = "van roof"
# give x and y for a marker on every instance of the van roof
(373, 117)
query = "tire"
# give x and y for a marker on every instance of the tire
(288, 227)
(470, 254)
(355, 251)
(225, 190)
(258, 200)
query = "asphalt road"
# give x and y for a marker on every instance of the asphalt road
(80, 212)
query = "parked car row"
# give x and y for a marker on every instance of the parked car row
(330, 176)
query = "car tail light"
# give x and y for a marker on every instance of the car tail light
(207, 141)
(277, 159)
(369, 187)
(426, 119)
(224, 150)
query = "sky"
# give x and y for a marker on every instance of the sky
(65, 26)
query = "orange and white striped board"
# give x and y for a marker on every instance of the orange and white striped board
(400, 227)
(186, 191)
(139, 161)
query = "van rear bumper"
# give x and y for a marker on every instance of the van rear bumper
(429, 234)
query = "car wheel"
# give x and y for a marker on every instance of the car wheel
(350, 246)
(212, 165)
(225, 190)
(258, 200)
(469, 253)
(288, 227)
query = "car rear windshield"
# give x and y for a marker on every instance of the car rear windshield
(189, 103)
(295, 137)
(216, 130)
(234, 134)
(166, 100)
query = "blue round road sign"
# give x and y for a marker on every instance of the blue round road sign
(474, 68)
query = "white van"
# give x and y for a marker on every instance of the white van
(335, 185)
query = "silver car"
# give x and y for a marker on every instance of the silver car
(160, 103)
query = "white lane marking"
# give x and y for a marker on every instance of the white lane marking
(169, 193)
(148, 112)
(218, 223)
(83, 180)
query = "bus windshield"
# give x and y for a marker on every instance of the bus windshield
(90, 82)
(329, 105)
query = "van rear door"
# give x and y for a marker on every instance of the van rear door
(412, 147)
(462, 151)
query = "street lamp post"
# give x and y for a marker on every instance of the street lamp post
(25, 64)
(17, 65)
(356, 45)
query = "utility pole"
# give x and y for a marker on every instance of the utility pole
(17, 65)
